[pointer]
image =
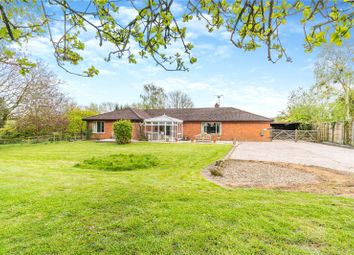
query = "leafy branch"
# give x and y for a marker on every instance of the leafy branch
(155, 28)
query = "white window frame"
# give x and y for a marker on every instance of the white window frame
(216, 122)
(94, 127)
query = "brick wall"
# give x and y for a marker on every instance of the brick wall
(245, 131)
(191, 129)
(108, 130)
(136, 130)
(241, 131)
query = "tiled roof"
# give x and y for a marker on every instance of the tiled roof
(125, 114)
(208, 114)
(187, 114)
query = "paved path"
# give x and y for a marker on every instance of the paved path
(299, 153)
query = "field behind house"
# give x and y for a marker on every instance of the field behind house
(48, 206)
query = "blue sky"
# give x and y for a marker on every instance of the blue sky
(246, 79)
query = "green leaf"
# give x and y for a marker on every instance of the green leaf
(193, 60)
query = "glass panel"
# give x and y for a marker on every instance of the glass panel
(100, 127)
(168, 130)
(211, 127)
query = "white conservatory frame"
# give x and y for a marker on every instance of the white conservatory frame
(163, 128)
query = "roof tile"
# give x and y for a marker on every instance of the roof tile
(187, 114)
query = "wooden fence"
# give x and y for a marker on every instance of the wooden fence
(280, 134)
(339, 132)
(43, 139)
(295, 135)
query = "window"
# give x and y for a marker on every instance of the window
(211, 128)
(98, 127)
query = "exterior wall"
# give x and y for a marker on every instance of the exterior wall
(245, 131)
(108, 130)
(136, 130)
(191, 129)
(241, 131)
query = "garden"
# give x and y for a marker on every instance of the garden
(74, 198)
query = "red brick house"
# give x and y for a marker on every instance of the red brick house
(221, 123)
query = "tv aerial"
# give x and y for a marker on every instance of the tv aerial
(218, 98)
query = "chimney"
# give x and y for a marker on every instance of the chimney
(217, 105)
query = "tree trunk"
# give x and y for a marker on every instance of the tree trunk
(347, 103)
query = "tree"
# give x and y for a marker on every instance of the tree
(153, 97)
(13, 89)
(105, 107)
(339, 107)
(334, 72)
(75, 123)
(42, 111)
(306, 107)
(155, 27)
(3, 112)
(179, 99)
(109, 107)
(9, 131)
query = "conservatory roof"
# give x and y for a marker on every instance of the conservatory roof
(163, 118)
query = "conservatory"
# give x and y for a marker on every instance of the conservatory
(163, 128)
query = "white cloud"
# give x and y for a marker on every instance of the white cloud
(170, 84)
(222, 51)
(126, 14)
(176, 8)
(37, 46)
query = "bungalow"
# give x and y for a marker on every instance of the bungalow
(222, 123)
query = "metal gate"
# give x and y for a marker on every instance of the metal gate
(294, 135)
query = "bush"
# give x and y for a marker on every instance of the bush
(123, 131)
(88, 134)
(217, 171)
(9, 131)
(120, 162)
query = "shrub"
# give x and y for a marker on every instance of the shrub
(88, 134)
(9, 131)
(217, 171)
(123, 131)
(120, 162)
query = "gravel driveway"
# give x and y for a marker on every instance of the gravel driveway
(304, 153)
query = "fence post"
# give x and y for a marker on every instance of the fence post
(296, 135)
(352, 142)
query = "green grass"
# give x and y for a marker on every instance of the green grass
(120, 162)
(48, 206)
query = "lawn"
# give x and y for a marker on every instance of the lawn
(49, 206)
